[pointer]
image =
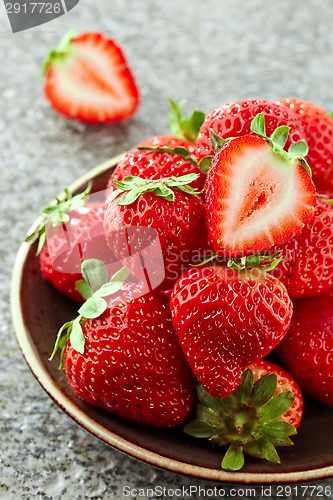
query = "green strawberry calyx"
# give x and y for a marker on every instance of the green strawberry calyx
(277, 141)
(264, 261)
(61, 52)
(56, 214)
(130, 188)
(248, 421)
(93, 287)
(178, 150)
(184, 128)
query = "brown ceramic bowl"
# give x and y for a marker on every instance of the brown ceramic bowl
(38, 311)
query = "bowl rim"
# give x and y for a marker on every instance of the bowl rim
(50, 386)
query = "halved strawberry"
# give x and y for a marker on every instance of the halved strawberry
(87, 78)
(258, 195)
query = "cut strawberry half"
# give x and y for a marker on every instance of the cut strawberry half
(87, 78)
(258, 195)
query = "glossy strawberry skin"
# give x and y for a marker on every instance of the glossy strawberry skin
(92, 82)
(66, 246)
(307, 268)
(307, 349)
(154, 165)
(285, 382)
(226, 320)
(234, 120)
(132, 363)
(166, 141)
(254, 199)
(178, 226)
(318, 134)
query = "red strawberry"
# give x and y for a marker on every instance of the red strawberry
(156, 164)
(184, 130)
(318, 134)
(68, 233)
(87, 78)
(163, 223)
(260, 414)
(234, 120)
(226, 319)
(257, 194)
(307, 268)
(123, 355)
(307, 349)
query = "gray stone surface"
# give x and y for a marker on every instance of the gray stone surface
(207, 52)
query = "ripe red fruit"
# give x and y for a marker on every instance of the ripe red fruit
(260, 414)
(69, 231)
(126, 358)
(155, 164)
(163, 224)
(87, 78)
(226, 319)
(307, 268)
(257, 194)
(64, 250)
(307, 349)
(234, 120)
(317, 125)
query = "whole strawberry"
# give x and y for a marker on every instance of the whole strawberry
(234, 120)
(122, 354)
(307, 349)
(307, 267)
(227, 317)
(257, 194)
(317, 125)
(156, 163)
(264, 410)
(70, 231)
(157, 225)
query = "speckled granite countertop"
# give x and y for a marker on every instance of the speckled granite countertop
(207, 52)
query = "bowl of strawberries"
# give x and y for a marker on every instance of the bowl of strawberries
(177, 301)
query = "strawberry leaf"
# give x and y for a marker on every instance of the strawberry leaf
(61, 52)
(94, 273)
(76, 336)
(217, 141)
(264, 389)
(278, 430)
(258, 125)
(185, 128)
(276, 407)
(199, 429)
(84, 289)
(205, 164)
(280, 135)
(233, 459)
(93, 307)
(298, 150)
